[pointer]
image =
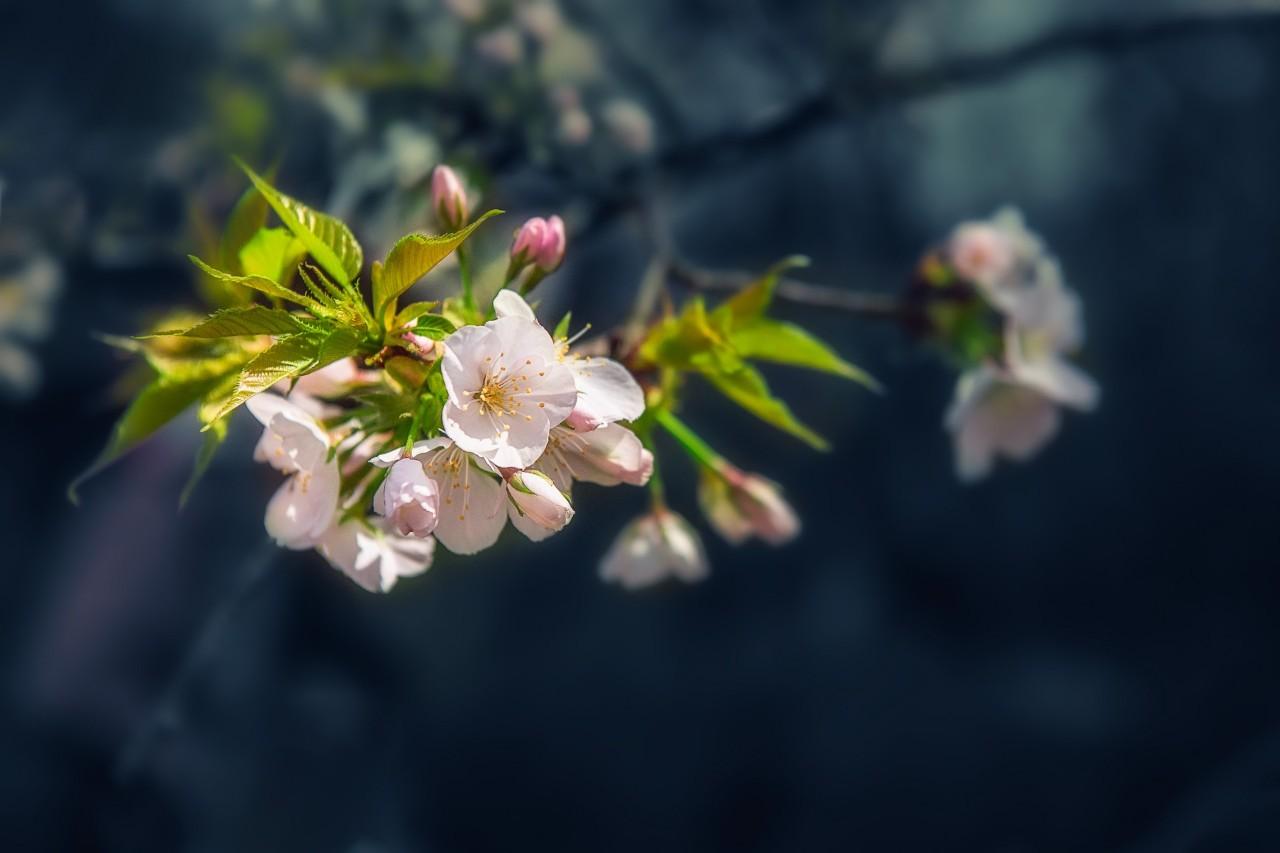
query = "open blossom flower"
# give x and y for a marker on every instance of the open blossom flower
(408, 499)
(537, 508)
(741, 505)
(507, 389)
(448, 198)
(295, 443)
(540, 242)
(606, 456)
(651, 549)
(374, 557)
(1003, 259)
(472, 498)
(607, 392)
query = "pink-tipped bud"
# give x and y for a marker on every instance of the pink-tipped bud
(448, 198)
(540, 242)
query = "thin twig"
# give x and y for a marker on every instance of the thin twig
(166, 714)
(878, 306)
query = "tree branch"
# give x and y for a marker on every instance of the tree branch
(878, 306)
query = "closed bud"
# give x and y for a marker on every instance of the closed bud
(448, 198)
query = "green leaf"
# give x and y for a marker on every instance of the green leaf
(260, 284)
(411, 312)
(410, 259)
(434, 326)
(247, 217)
(162, 400)
(327, 239)
(562, 328)
(747, 388)
(785, 343)
(287, 358)
(232, 322)
(271, 253)
(338, 344)
(752, 301)
(213, 439)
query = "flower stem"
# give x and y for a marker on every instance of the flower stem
(464, 270)
(701, 452)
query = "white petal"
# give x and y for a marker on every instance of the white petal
(607, 392)
(536, 507)
(472, 503)
(1061, 381)
(606, 456)
(508, 303)
(466, 353)
(301, 510)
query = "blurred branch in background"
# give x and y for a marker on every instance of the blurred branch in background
(871, 305)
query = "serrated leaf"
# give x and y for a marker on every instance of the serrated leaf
(338, 344)
(234, 322)
(412, 312)
(272, 253)
(747, 388)
(260, 284)
(412, 257)
(434, 326)
(287, 358)
(751, 302)
(785, 343)
(562, 328)
(327, 239)
(213, 439)
(162, 400)
(247, 217)
(677, 341)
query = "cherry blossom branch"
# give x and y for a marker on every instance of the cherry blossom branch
(879, 306)
(165, 715)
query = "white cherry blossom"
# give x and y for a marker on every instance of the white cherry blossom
(607, 392)
(507, 389)
(294, 443)
(653, 548)
(472, 498)
(374, 557)
(408, 499)
(537, 508)
(606, 456)
(741, 505)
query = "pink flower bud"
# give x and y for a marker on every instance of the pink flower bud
(448, 198)
(741, 505)
(540, 242)
(554, 241)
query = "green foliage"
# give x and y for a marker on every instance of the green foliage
(247, 217)
(562, 328)
(262, 285)
(435, 327)
(213, 439)
(411, 312)
(326, 239)
(272, 253)
(718, 344)
(410, 259)
(232, 322)
(289, 358)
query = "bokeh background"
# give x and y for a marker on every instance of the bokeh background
(1080, 653)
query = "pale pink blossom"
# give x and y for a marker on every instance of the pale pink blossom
(741, 505)
(507, 389)
(653, 548)
(536, 507)
(630, 124)
(373, 556)
(472, 497)
(606, 456)
(294, 443)
(448, 198)
(574, 127)
(408, 499)
(502, 45)
(539, 18)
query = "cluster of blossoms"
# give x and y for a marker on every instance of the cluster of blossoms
(995, 299)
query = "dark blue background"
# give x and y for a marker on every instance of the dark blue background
(1078, 654)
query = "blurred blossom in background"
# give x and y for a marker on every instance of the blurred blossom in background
(1072, 652)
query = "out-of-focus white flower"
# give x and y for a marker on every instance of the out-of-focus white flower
(448, 198)
(372, 556)
(653, 548)
(539, 18)
(26, 307)
(502, 45)
(507, 388)
(540, 242)
(630, 125)
(467, 10)
(741, 505)
(408, 499)
(606, 456)
(574, 127)
(1004, 260)
(333, 380)
(537, 508)
(607, 392)
(293, 442)
(472, 498)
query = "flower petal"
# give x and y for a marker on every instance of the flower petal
(508, 303)
(607, 392)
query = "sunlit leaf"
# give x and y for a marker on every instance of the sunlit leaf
(272, 253)
(752, 301)
(434, 326)
(260, 284)
(232, 322)
(286, 359)
(247, 217)
(327, 239)
(411, 312)
(562, 328)
(410, 259)
(785, 343)
(747, 388)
